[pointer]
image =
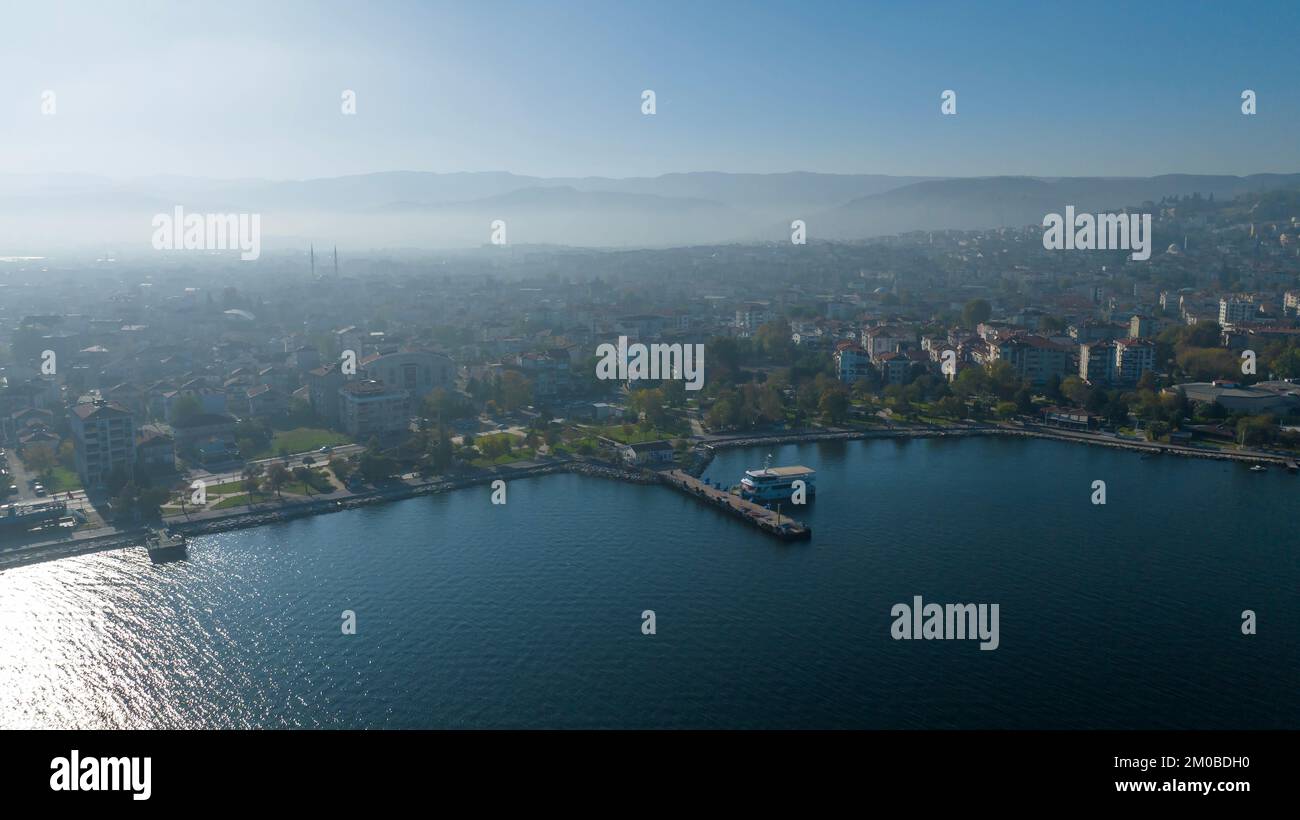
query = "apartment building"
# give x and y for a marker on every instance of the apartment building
(371, 408)
(851, 362)
(103, 433)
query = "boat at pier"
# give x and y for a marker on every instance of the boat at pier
(777, 483)
(164, 545)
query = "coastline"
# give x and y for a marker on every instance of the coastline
(207, 523)
(270, 512)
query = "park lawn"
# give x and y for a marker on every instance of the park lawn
(522, 454)
(298, 440)
(228, 487)
(62, 480)
(637, 435)
(303, 439)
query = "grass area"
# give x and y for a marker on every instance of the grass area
(63, 480)
(235, 501)
(522, 454)
(303, 439)
(228, 487)
(633, 434)
(299, 440)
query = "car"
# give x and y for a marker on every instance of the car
(40, 490)
(325, 449)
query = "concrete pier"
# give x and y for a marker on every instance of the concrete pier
(783, 526)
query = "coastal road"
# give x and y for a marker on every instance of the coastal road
(295, 460)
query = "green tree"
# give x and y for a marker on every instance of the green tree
(186, 408)
(834, 404)
(277, 475)
(975, 312)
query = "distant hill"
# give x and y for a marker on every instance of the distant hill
(420, 209)
(993, 202)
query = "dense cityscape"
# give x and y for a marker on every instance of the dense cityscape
(124, 382)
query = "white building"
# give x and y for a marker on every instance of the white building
(104, 436)
(851, 362)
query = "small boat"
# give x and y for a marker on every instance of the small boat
(1259, 468)
(164, 545)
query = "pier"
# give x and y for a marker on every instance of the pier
(769, 521)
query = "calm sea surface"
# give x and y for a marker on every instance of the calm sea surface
(1126, 615)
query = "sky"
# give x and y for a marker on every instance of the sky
(238, 89)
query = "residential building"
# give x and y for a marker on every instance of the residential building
(1233, 311)
(1133, 357)
(104, 437)
(371, 408)
(1097, 362)
(851, 362)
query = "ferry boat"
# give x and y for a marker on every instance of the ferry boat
(164, 545)
(776, 483)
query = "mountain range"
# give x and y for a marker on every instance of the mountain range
(423, 209)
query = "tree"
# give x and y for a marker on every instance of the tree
(40, 458)
(442, 453)
(516, 391)
(251, 478)
(375, 466)
(306, 477)
(1253, 430)
(1024, 400)
(976, 312)
(276, 477)
(834, 404)
(185, 408)
(971, 381)
(950, 407)
(1053, 388)
(341, 467)
(1075, 390)
(1003, 380)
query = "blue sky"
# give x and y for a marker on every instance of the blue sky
(252, 89)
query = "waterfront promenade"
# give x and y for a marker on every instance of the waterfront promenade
(273, 509)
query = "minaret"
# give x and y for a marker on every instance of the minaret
(336, 261)
(313, 261)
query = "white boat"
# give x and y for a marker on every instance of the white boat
(777, 483)
(1258, 468)
(164, 545)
